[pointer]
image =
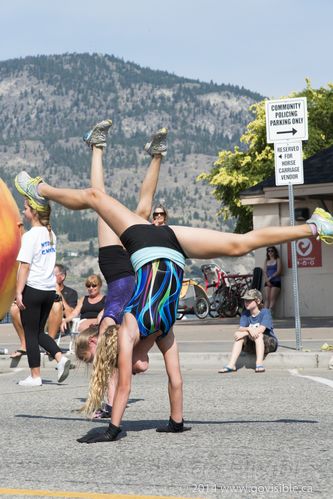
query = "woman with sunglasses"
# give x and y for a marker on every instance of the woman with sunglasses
(158, 257)
(89, 306)
(272, 274)
(160, 215)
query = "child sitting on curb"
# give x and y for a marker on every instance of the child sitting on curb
(255, 334)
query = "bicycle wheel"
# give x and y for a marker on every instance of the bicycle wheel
(215, 305)
(229, 304)
(201, 308)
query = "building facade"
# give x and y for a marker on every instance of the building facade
(315, 259)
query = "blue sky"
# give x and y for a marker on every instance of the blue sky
(267, 46)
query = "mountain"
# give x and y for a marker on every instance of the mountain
(48, 102)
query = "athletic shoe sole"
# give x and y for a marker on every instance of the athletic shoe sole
(65, 373)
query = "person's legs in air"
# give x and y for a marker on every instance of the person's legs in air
(206, 243)
(96, 139)
(196, 242)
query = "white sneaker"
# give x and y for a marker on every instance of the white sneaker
(63, 369)
(30, 381)
(158, 143)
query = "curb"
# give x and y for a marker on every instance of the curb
(206, 360)
(211, 360)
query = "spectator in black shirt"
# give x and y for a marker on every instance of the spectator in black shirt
(66, 301)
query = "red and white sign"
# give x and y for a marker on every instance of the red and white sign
(308, 251)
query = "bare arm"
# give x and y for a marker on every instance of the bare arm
(125, 352)
(241, 333)
(75, 312)
(256, 331)
(22, 277)
(67, 308)
(279, 267)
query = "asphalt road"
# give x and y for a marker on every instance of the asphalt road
(253, 435)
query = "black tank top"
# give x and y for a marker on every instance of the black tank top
(91, 310)
(141, 236)
(114, 262)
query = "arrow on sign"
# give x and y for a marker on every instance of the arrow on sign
(293, 131)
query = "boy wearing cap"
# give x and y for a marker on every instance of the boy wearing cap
(255, 334)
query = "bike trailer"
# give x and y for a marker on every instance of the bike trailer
(212, 274)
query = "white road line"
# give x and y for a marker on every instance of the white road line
(318, 379)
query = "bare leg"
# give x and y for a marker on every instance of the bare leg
(54, 320)
(235, 353)
(115, 214)
(197, 243)
(16, 320)
(169, 349)
(267, 296)
(274, 296)
(148, 188)
(106, 236)
(260, 350)
(206, 243)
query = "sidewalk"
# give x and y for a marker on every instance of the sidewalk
(207, 344)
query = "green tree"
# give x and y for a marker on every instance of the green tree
(239, 169)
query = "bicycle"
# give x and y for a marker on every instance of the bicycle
(229, 288)
(229, 295)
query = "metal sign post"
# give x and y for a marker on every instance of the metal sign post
(286, 127)
(295, 272)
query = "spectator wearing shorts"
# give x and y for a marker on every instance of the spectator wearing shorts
(255, 334)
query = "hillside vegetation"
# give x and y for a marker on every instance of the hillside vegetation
(48, 102)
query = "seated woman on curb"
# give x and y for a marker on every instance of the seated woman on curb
(255, 334)
(88, 307)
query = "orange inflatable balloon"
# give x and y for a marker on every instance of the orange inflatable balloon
(10, 242)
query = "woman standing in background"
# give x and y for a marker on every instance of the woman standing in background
(35, 291)
(272, 274)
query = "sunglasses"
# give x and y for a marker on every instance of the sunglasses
(159, 214)
(91, 285)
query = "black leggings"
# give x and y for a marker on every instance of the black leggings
(38, 305)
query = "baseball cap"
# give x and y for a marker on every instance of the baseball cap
(252, 294)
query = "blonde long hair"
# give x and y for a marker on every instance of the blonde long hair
(105, 362)
(44, 219)
(82, 341)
